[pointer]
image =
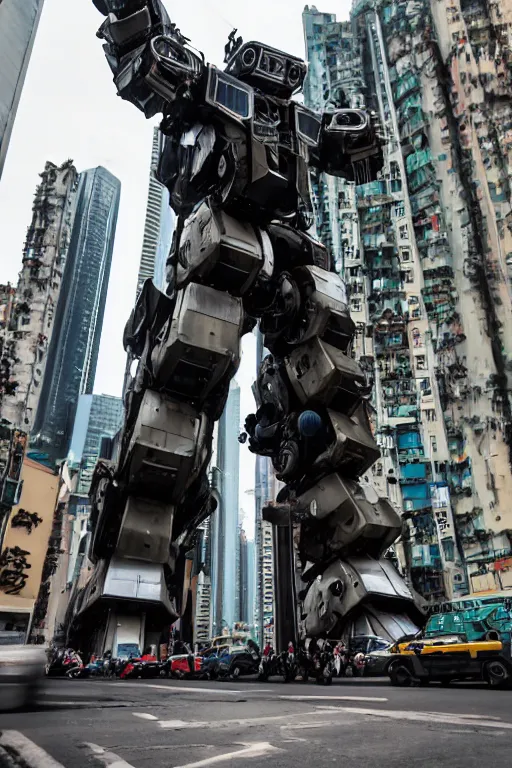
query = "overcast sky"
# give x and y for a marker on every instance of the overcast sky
(69, 109)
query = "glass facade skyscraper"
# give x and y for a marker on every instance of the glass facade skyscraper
(97, 417)
(225, 520)
(18, 27)
(74, 347)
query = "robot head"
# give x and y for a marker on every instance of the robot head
(271, 71)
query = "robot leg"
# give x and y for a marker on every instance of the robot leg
(312, 420)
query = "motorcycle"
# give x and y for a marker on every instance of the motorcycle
(288, 665)
(267, 664)
(65, 663)
(324, 663)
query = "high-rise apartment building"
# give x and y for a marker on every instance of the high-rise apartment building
(30, 328)
(74, 346)
(18, 27)
(424, 254)
(158, 226)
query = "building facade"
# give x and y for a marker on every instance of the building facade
(203, 601)
(264, 492)
(424, 254)
(18, 27)
(25, 561)
(30, 328)
(158, 225)
(74, 347)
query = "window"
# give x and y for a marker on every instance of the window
(433, 444)
(425, 384)
(355, 305)
(405, 254)
(399, 210)
(421, 363)
(430, 414)
(403, 232)
(409, 276)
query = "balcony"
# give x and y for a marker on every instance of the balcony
(406, 85)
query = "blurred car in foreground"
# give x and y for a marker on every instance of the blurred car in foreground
(21, 673)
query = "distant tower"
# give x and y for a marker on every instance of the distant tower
(74, 347)
(225, 519)
(243, 577)
(264, 544)
(158, 226)
(18, 27)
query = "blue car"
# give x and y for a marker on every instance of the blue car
(230, 661)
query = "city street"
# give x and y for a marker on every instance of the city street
(167, 724)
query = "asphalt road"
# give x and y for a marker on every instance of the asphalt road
(168, 724)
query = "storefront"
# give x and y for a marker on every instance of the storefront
(24, 550)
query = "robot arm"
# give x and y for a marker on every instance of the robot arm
(147, 54)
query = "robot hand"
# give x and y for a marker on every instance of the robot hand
(350, 145)
(148, 55)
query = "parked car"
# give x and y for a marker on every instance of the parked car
(450, 658)
(22, 669)
(210, 660)
(238, 660)
(372, 648)
(182, 665)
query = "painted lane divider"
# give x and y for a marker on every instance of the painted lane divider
(259, 749)
(109, 759)
(30, 753)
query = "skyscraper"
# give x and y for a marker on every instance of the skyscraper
(97, 417)
(158, 226)
(425, 262)
(225, 520)
(74, 347)
(30, 329)
(18, 27)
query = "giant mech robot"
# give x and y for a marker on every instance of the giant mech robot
(235, 161)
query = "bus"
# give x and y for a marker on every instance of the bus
(477, 617)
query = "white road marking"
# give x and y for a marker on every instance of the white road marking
(259, 749)
(193, 689)
(432, 717)
(144, 716)
(326, 697)
(249, 722)
(31, 754)
(109, 759)
(292, 721)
